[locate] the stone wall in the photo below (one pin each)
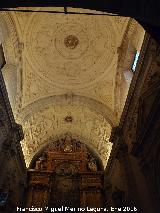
(12, 166)
(133, 169)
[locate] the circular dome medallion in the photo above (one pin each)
(71, 42)
(70, 52)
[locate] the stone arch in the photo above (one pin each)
(72, 99)
(49, 122)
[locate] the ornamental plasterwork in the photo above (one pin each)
(40, 89)
(68, 99)
(21, 19)
(12, 48)
(58, 55)
(36, 88)
(8, 37)
(50, 123)
(100, 93)
(57, 63)
(121, 23)
(59, 67)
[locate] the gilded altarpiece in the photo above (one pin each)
(66, 174)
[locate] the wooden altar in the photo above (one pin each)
(66, 174)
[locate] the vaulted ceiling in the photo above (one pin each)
(61, 75)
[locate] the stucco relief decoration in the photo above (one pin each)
(71, 41)
(87, 126)
(69, 51)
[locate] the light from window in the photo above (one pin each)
(135, 61)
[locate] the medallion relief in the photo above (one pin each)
(71, 42)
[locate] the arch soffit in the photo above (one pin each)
(70, 99)
(45, 122)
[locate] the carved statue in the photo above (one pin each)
(92, 166)
(67, 146)
(41, 162)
